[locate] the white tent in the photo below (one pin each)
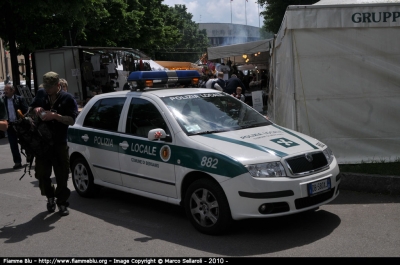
(154, 65)
(251, 66)
(335, 75)
(342, 2)
(256, 51)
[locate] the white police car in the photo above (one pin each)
(199, 148)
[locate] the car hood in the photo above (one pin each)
(260, 144)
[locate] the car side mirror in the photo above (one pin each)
(158, 134)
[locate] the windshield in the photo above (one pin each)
(212, 113)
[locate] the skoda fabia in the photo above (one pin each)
(202, 149)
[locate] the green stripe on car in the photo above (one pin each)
(295, 135)
(195, 159)
(250, 145)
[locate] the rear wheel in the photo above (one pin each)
(82, 178)
(207, 207)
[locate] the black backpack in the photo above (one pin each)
(35, 137)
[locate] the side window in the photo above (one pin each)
(105, 114)
(90, 119)
(143, 116)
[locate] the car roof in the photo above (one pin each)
(164, 92)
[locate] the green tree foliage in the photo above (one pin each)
(158, 27)
(109, 24)
(150, 26)
(30, 25)
(275, 11)
(190, 45)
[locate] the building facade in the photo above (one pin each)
(5, 64)
(221, 34)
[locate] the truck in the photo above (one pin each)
(70, 62)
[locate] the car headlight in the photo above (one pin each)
(329, 155)
(266, 170)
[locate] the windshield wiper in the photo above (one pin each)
(254, 125)
(207, 132)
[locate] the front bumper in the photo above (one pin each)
(280, 196)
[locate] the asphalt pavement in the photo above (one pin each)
(371, 183)
(350, 181)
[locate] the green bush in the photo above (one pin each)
(379, 167)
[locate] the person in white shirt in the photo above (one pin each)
(210, 81)
(112, 68)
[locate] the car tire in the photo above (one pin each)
(82, 178)
(207, 207)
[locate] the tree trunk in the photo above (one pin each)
(35, 79)
(27, 70)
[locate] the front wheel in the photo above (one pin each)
(82, 178)
(207, 207)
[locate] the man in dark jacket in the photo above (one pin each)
(233, 83)
(13, 104)
(60, 110)
(3, 116)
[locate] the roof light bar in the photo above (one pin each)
(161, 79)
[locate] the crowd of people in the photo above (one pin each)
(236, 86)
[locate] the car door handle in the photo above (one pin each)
(85, 137)
(124, 145)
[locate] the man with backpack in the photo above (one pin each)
(58, 110)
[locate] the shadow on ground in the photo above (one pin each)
(41, 223)
(159, 220)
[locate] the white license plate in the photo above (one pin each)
(319, 186)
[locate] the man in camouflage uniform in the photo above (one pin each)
(60, 109)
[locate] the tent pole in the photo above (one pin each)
(231, 12)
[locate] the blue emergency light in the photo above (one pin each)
(159, 79)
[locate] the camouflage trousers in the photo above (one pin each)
(58, 161)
